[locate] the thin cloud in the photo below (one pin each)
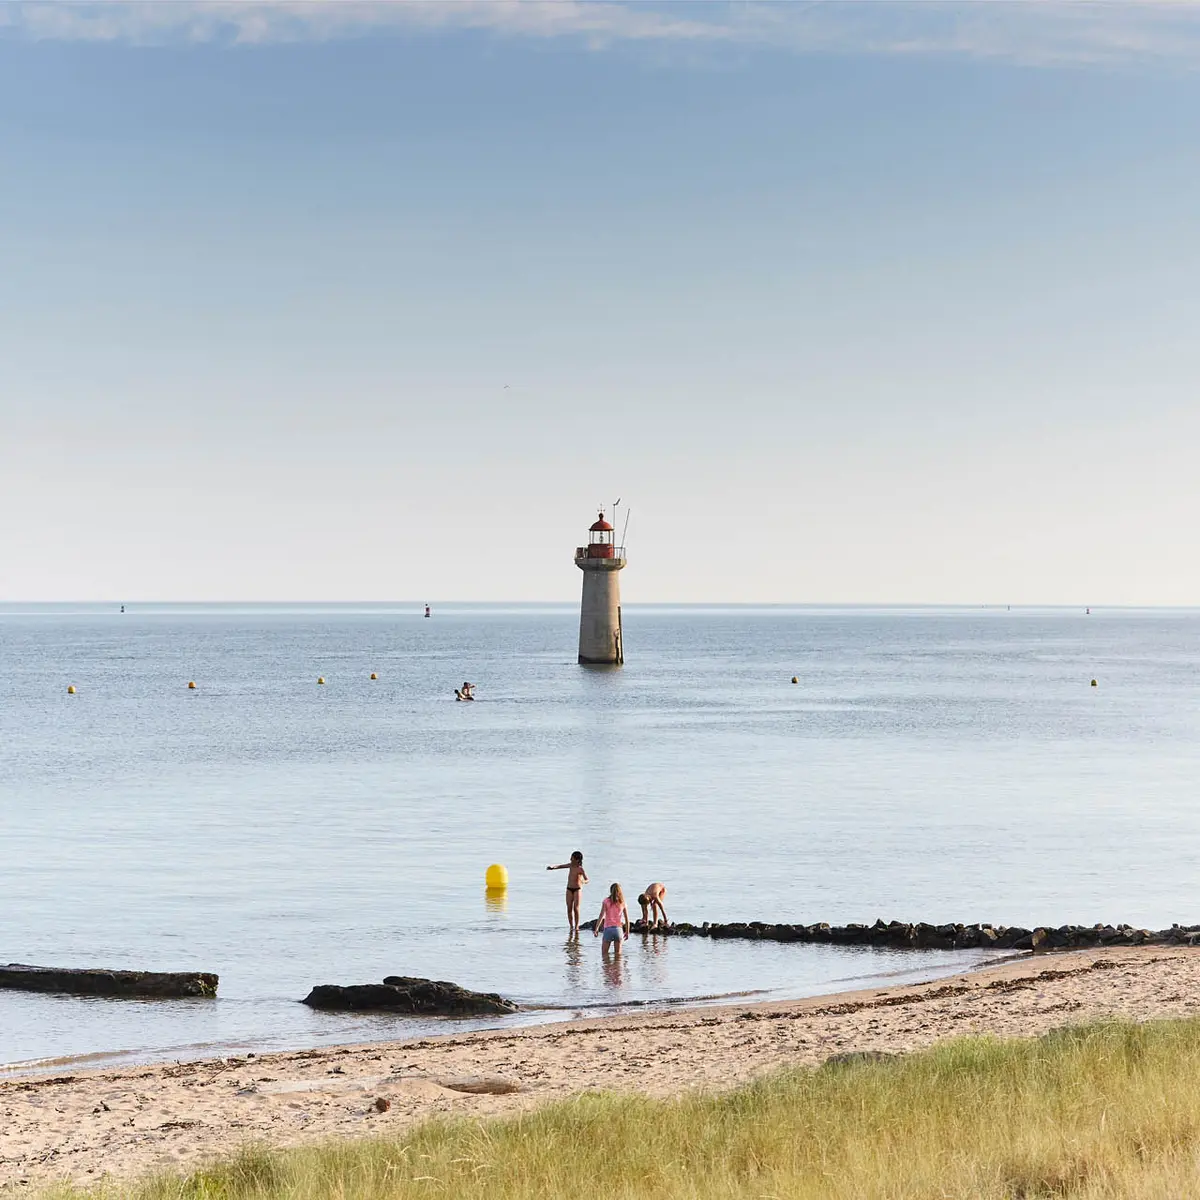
(1033, 32)
(272, 21)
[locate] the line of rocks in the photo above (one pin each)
(900, 935)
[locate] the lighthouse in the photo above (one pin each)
(600, 639)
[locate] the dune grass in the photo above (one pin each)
(1110, 1110)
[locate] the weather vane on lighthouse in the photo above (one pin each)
(600, 636)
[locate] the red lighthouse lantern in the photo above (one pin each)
(600, 539)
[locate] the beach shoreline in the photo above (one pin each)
(415, 1026)
(128, 1121)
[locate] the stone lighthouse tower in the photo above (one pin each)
(600, 639)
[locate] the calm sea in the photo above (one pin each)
(928, 765)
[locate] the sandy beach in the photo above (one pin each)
(125, 1122)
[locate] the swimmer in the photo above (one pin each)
(576, 878)
(651, 901)
(613, 919)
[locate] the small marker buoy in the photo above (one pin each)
(496, 877)
(191, 685)
(1094, 684)
(795, 679)
(70, 689)
(320, 678)
(374, 676)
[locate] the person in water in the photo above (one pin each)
(613, 920)
(653, 908)
(466, 692)
(576, 878)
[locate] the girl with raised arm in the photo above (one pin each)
(576, 878)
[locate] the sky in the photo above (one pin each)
(847, 302)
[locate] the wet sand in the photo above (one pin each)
(129, 1121)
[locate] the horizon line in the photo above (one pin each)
(573, 602)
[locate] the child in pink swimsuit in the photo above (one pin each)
(613, 920)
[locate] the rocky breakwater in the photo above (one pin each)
(408, 994)
(80, 981)
(900, 935)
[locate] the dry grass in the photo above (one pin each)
(1094, 1112)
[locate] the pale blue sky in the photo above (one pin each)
(863, 302)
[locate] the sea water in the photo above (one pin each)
(929, 765)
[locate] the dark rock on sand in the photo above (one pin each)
(164, 985)
(482, 1085)
(408, 994)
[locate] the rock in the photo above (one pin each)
(407, 994)
(482, 1085)
(164, 985)
(382, 1104)
(1010, 937)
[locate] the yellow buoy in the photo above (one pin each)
(70, 689)
(374, 676)
(320, 678)
(795, 679)
(497, 877)
(191, 685)
(1094, 684)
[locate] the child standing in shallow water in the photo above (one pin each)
(576, 878)
(651, 901)
(613, 920)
